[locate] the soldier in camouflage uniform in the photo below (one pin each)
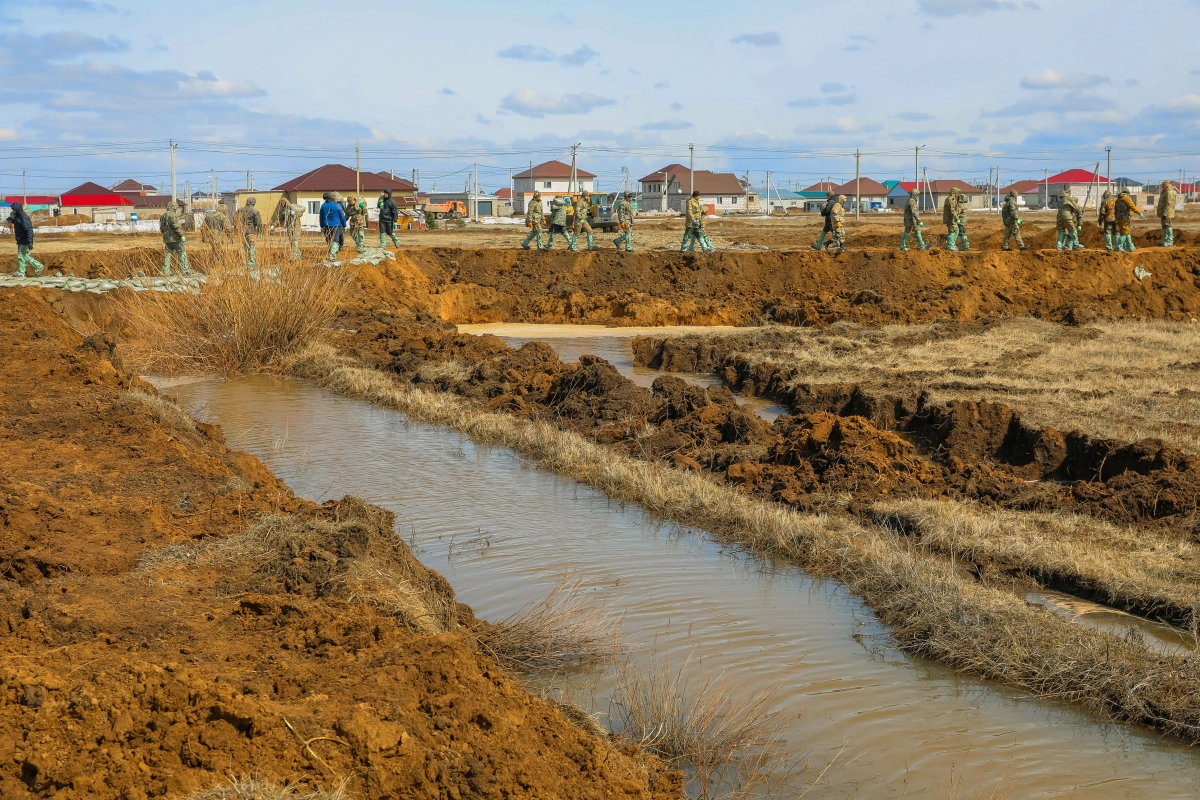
(534, 217)
(912, 221)
(356, 222)
(1010, 215)
(1070, 219)
(1126, 208)
(1166, 212)
(954, 215)
(558, 222)
(625, 217)
(693, 227)
(213, 230)
(826, 228)
(250, 225)
(287, 219)
(1106, 218)
(837, 223)
(580, 223)
(173, 239)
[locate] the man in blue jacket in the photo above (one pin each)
(333, 220)
(22, 227)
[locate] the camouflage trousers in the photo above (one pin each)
(180, 251)
(839, 236)
(1013, 232)
(359, 236)
(535, 232)
(25, 259)
(693, 235)
(584, 227)
(624, 239)
(1066, 225)
(1123, 227)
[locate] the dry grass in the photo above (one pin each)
(728, 739)
(366, 562)
(1127, 380)
(250, 788)
(564, 630)
(161, 409)
(449, 371)
(1148, 570)
(934, 607)
(240, 321)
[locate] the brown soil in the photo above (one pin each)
(128, 680)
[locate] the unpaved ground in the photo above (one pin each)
(157, 642)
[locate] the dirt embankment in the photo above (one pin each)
(172, 615)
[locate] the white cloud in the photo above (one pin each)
(1050, 79)
(672, 124)
(830, 87)
(8, 134)
(526, 52)
(830, 100)
(914, 116)
(532, 103)
(446, 90)
(1053, 104)
(954, 8)
(579, 56)
(1189, 102)
(205, 84)
(765, 39)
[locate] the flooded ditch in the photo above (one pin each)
(503, 534)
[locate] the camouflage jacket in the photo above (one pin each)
(581, 210)
(1126, 208)
(1107, 211)
(837, 214)
(694, 212)
(249, 220)
(949, 210)
(168, 223)
(625, 212)
(356, 218)
(1166, 203)
(912, 213)
(535, 215)
(1068, 208)
(1009, 212)
(215, 220)
(558, 213)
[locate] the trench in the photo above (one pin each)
(503, 534)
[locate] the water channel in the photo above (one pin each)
(504, 533)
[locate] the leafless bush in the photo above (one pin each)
(238, 321)
(255, 789)
(564, 630)
(728, 739)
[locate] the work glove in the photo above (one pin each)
(920, 224)
(622, 226)
(1020, 222)
(182, 239)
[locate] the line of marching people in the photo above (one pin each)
(535, 220)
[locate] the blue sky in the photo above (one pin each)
(793, 86)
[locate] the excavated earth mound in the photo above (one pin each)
(173, 616)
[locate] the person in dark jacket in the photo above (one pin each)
(22, 227)
(388, 214)
(333, 221)
(827, 228)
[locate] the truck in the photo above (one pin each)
(602, 214)
(453, 209)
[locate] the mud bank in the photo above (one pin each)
(173, 616)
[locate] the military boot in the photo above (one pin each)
(1168, 237)
(333, 251)
(904, 242)
(591, 243)
(1075, 243)
(1062, 235)
(965, 244)
(820, 242)
(549, 242)
(950, 242)
(571, 240)
(921, 241)
(532, 235)
(1108, 241)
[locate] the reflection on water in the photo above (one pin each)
(614, 345)
(909, 727)
(1156, 635)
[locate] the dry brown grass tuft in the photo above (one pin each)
(1148, 570)
(728, 740)
(357, 558)
(256, 789)
(1126, 379)
(564, 630)
(239, 321)
(162, 410)
(933, 605)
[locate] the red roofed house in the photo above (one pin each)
(92, 199)
(33, 202)
(552, 179)
(872, 193)
(933, 196)
(667, 189)
(1080, 183)
(307, 190)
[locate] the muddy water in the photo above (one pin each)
(503, 533)
(614, 345)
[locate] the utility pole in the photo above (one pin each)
(692, 169)
(174, 190)
(187, 187)
(512, 193)
(997, 187)
(475, 192)
(24, 190)
(571, 185)
(857, 187)
(1046, 202)
(216, 190)
(357, 171)
(768, 188)
(917, 167)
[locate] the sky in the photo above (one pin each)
(94, 90)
